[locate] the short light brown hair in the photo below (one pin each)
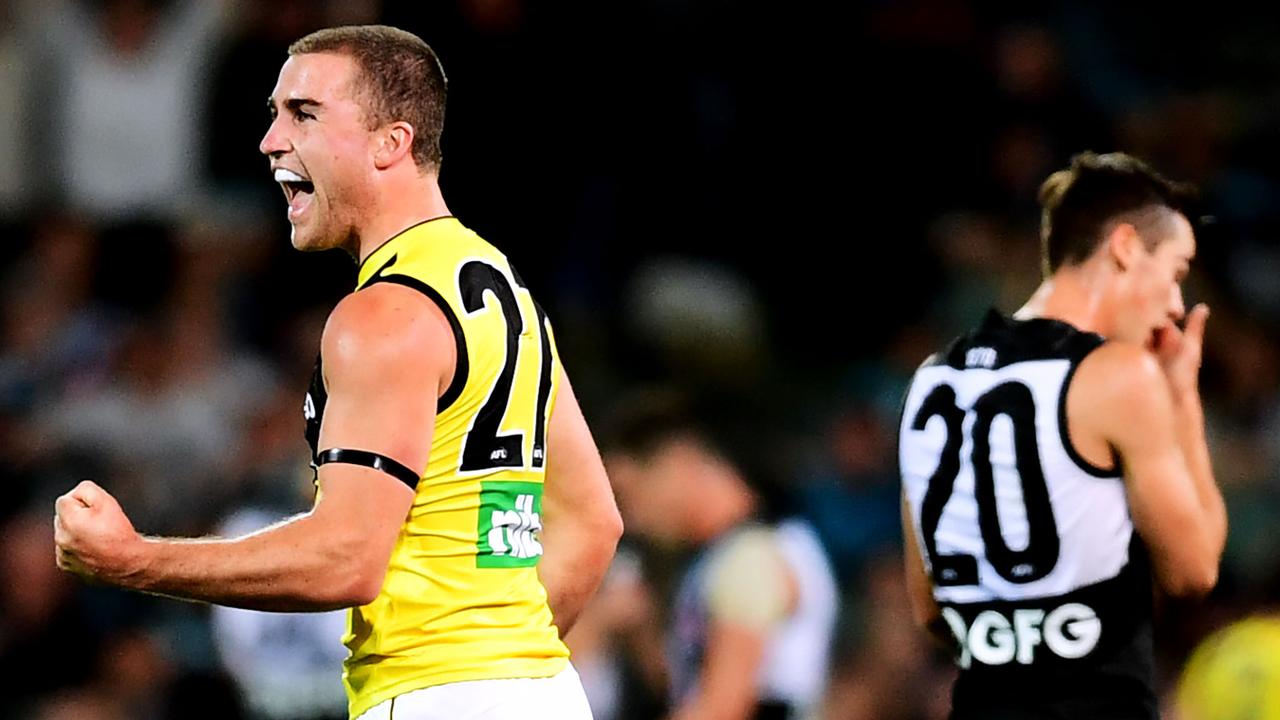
(399, 78)
(1081, 203)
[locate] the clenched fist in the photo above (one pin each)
(94, 538)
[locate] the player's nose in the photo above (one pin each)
(274, 142)
(1177, 307)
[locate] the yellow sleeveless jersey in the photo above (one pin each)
(462, 599)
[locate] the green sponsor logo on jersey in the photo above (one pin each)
(510, 523)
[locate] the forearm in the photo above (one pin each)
(571, 568)
(727, 686)
(293, 566)
(1189, 414)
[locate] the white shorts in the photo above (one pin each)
(559, 697)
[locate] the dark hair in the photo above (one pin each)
(649, 420)
(646, 422)
(1079, 204)
(399, 77)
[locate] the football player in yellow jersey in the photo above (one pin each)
(462, 510)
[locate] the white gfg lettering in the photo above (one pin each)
(1069, 631)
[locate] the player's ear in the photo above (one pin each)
(1123, 246)
(394, 142)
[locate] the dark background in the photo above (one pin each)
(781, 206)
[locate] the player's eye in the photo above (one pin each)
(300, 115)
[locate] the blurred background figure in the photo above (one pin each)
(886, 669)
(20, 182)
(753, 613)
(617, 644)
(42, 616)
(286, 664)
(122, 77)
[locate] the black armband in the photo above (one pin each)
(364, 458)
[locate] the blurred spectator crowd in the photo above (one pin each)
(778, 207)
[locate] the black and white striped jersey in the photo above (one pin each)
(1030, 548)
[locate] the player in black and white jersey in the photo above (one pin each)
(1054, 462)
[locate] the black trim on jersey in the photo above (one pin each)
(319, 395)
(462, 366)
(384, 243)
(1021, 341)
(1029, 340)
(1065, 432)
(516, 276)
(364, 458)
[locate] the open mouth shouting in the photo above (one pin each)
(298, 191)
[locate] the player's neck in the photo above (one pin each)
(1076, 296)
(413, 201)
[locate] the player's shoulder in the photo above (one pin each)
(383, 320)
(748, 579)
(751, 542)
(747, 551)
(1116, 365)
(1120, 378)
(380, 307)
